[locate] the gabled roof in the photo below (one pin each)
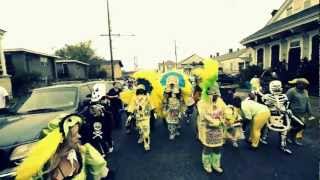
(191, 60)
(232, 55)
(303, 17)
(72, 61)
(17, 50)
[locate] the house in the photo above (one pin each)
(233, 61)
(291, 34)
(5, 80)
(166, 66)
(103, 66)
(20, 61)
(190, 62)
(72, 69)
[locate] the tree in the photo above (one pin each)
(81, 51)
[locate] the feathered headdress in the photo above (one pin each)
(44, 149)
(150, 80)
(209, 76)
(182, 81)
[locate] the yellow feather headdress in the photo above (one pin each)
(44, 149)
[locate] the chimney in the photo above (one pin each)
(230, 50)
(217, 54)
(274, 12)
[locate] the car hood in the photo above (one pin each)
(15, 130)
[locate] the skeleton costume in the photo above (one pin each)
(97, 129)
(140, 109)
(281, 116)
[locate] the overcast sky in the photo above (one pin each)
(203, 27)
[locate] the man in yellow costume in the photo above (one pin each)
(59, 155)
(173, 106)
(211, 125)
(140, 109)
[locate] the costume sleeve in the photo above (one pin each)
(97, 166)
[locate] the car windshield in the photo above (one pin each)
(50, 100)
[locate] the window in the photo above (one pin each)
(43, 61)
(260, 55)
(294, 44)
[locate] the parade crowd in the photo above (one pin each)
(77, 146)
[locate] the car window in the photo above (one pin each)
(55, 98)
(84, 92)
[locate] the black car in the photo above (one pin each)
(21, 130)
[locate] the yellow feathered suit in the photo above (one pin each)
(34, 166)
(211, 116)
(177, 96)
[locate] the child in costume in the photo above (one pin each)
(233, 123)
(140, 109)
(59, 155)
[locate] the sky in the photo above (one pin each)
(203, 27)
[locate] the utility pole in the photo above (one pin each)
(175, 53)
(110, 42)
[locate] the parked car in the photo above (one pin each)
(21, 130)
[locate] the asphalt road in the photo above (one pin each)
(181, 159)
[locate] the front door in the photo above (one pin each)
(314, 77)
(294, 61)
(275, 56)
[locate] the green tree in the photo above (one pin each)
(81, 51)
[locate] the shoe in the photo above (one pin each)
(298, 142)
(171, 137)
(218, 170)
(140, 140)
(263, 141)
(289, 141)
(208, 169)
(235, 145)
(147, 147)
(110, 150)
(286, 150)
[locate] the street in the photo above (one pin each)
(181, 159)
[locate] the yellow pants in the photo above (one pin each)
(257, 124)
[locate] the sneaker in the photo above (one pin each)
(298, 142)
(208, 169)
(218, 170)
(286, 150)
(235, 145)
(289, 141)
(147, 147)
(171, 137)
(140, 140)
(110, 150)
(263, 141)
